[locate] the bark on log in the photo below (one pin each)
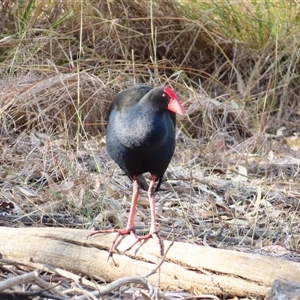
(194, 268)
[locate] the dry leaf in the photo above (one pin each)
(271, 155)
(66, 186)
(242, 174)
(27, 192)
(276, 250)
(279, 132)
(258, 197)
(240, 222)
(293, 142)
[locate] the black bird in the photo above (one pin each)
(140, 138)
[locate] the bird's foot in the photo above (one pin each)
(120, 232)
(154, 235)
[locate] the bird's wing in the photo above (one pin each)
(127, 98)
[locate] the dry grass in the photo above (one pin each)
(232, 183)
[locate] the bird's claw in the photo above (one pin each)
(121, 232)
(154, 235)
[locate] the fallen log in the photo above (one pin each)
(196, 269)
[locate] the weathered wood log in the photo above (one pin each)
(194, 268)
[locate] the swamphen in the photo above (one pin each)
(140, 138)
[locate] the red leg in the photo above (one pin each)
(151, 197)
(130, 224)
(134, 200)
(153, 228)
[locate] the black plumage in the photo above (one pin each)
(140, 138)
(140, 134)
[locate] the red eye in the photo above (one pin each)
(164, 95)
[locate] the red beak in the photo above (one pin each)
(174, 104)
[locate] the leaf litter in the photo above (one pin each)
(228, 198)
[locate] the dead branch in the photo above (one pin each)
(189, 267)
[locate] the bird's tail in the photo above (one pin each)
(144, 185)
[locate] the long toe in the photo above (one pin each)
(160, 241)
(154, 235)
(120, 232)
